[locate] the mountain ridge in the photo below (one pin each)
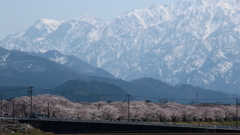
(172, 43)
(74, 63)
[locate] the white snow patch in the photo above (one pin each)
(29, 66)
(20, 33)
(49, 25)
(141, 20)
(4, 57)
(178, 70)
(93, 36)
(224, 67)
(101, 62)
(38, 39)
(61, 60)
(89, 19)
(225, 5)
(168, 58)
(221, 54)
(42, 50)
(189, 69)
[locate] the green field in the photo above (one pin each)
(229, 123)
(32, 132)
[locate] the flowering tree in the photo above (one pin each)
(60, 107)
(108, 112)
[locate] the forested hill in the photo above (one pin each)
(74, 90)
(90, 91)
(179, 93)
(104, 89)
(153, 89)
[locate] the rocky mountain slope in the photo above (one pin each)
(19, 70)
(191, 41)
(22, 69)
(74, 63)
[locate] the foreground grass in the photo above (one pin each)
(157, 134)
(43, 133)
(32, 132)
(226, 123)
(229, 123)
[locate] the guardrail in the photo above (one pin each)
(233, 127)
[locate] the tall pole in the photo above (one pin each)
(128, 106)
(236, 113)
(48, 111)
(13, 110)
(197, 97)
(30, 91)
(1, 105)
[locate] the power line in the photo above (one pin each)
(183, 98)
(24, 88)
(76, 93)
(99, 95)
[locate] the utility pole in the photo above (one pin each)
(1, 105)
(236, 113)
(197, 97)
(48, 111)
(128, 106)
(30, 92)
(13, 110)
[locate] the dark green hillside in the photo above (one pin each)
(181, 93)
(22, 69)
(11, 92)
(92, 91)
(74, 90)
(146, 88)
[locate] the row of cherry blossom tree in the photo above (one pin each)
(60, 107)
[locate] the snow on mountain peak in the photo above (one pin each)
(46, 27)
(149, 16)
(50, 25)
(227, 4)
(171, 43)
(89, 19)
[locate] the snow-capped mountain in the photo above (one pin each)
(22, 69)
(74, 63)
(38, 31)
(191, 41)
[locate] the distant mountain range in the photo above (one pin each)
(192, 41)
(22, 69)
(74, 90)
(19, 70)
(74, 63)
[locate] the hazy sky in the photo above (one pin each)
(16, 14)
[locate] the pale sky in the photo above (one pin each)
(16, 14)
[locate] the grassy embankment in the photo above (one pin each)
(229, 123)
(32, 132)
